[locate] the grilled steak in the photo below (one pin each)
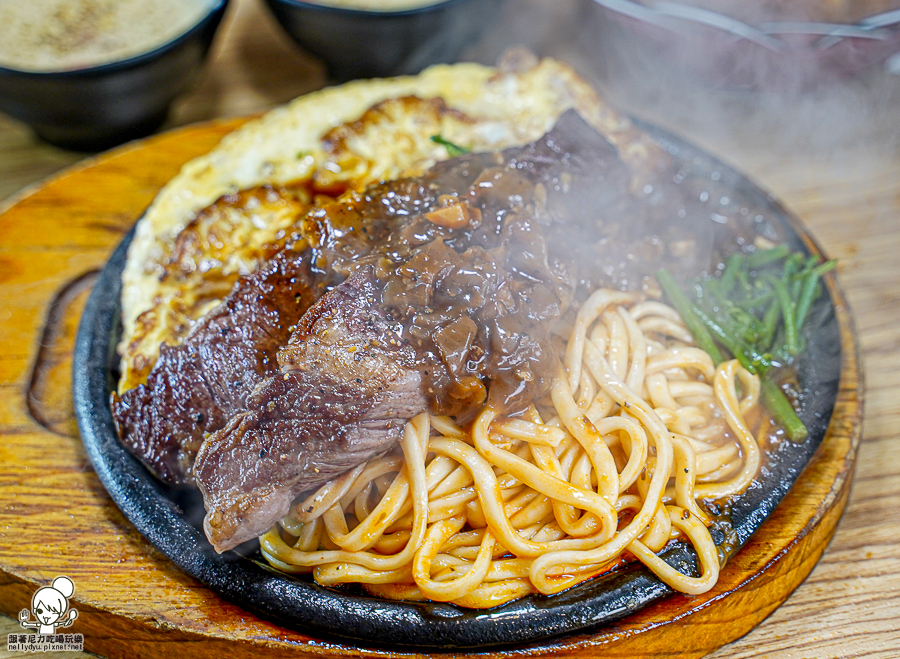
(346, 387)
(452, 288)
(475, 257)
(195, 387)
(451, 283)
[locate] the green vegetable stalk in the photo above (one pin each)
(453, 150)
(780, 408)
(755, 311)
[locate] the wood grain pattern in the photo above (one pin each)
(81, 534)
(849, 197)
(850, 606)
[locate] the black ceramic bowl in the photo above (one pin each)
(360, 44)
(98, 107)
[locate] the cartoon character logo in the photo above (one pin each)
(48, 606)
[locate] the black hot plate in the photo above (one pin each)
(243, 576)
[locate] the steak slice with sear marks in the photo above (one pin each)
(453, 282)
(348, 384)
(195, 387)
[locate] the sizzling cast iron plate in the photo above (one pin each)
(162, 514)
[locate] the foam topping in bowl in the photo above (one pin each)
(63, 35)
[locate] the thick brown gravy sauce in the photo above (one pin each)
(480, 256)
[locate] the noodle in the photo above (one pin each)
(636, 428)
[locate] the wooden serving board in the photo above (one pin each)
(56, 518)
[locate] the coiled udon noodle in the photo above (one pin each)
(637, 427)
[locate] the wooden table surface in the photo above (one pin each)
(831, 155)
